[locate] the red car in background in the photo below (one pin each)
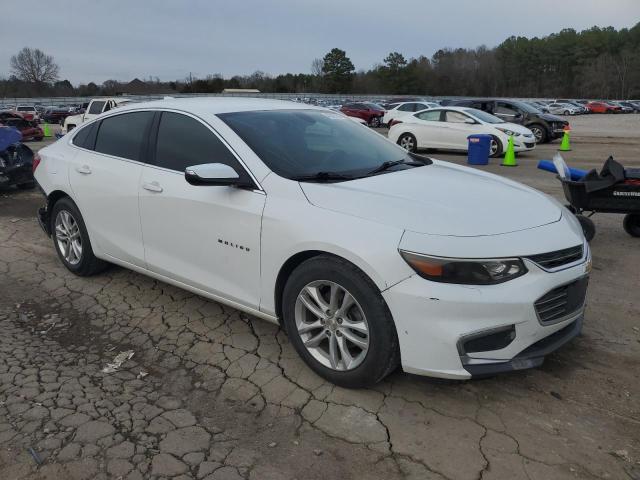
(369, 112)
(602, 107)
(28, 128)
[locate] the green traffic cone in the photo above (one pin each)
(565, 146)
(47, 130)
(510, 155)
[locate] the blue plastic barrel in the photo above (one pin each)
(479, 149)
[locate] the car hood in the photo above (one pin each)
(514, 127)
(439, 199)
(550, 117)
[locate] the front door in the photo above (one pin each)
(204, 236)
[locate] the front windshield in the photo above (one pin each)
(25, 109)
(484, 116)
(301, 143)
(374, 106)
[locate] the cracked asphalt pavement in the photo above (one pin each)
(212, 393)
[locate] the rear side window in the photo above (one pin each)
(430, 116)
(96, 107)
(407, 107)
(184, 142)
(86, 137)
(123, 135)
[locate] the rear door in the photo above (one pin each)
(204, 236)
(429, 129)
(104, 177)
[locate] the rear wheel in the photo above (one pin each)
(539, 133)
(631, 224)
(71, 239)
(408, 142)
(566, 112)
(339, 323)
(588, 227)
(375, 122)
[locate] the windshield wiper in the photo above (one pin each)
(322, 177)
(392, 163)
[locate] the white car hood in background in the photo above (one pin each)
(439, 199)
(514, 127)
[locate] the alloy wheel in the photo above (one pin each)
(493, 146)
(68, 237)
(407, 143)
(537, 132)
(332, 325)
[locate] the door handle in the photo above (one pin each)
(152, 187)
(84, 169)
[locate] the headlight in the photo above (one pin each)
(511, 133)
(465, 271)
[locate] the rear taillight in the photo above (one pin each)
(36, 161)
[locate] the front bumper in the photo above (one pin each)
(433, 318)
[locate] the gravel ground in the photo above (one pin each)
(212, 393)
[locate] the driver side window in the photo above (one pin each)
(430, 115)
(183, 142)
(506, 109)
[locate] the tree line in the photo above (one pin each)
(593, 63)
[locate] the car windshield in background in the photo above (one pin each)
(304, 143)
(25, 109)
(526, 107)
(373, 105)
(484, 116)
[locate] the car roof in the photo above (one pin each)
(215, 105)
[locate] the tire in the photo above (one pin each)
(26, 186)
(375, 122)
(362, 366)
(631, 224)
(497, 144)
(566, 112)
(87, 264)
(408, 142)
(539, 132)
(588, 227)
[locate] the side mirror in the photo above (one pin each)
(212, 174)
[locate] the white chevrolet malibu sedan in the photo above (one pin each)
(369, 256)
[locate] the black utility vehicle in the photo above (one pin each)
(545, 127)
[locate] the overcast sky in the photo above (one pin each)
(121, 39)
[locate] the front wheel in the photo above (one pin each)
(495, 147)
(375, 122)
(71, 239)
(338, 322)
(408, 142)
(539, 133)
(631, 224)
(588, 227)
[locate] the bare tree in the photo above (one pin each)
(34, 66)
(317, 67)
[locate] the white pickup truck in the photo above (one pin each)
(95, 108)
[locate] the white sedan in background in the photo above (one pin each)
(447, 128)
(369, 256)
(397, 111)
(563, 109)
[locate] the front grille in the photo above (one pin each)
(529, 145)
(558, 258)
(562, 301)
